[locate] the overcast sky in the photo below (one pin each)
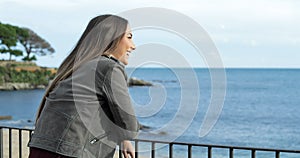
(252, 33)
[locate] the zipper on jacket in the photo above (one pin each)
(93, 141)
(96, 139)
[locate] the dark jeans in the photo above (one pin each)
(40, 153)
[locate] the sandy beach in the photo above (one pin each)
(15, 144)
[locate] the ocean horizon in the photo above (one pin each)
(261, 106)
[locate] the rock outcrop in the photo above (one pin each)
(137, 82)
(5, 117)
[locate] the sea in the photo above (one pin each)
(241, 107)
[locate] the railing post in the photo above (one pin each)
(136, 145)
(253, 153)
(277, 154)
(10, 143)
(29, 134)
(20, 143)
(1, 142)
(189, 151)
(153, 150)
(231, 152)
(171, 150)
(209, 152)
(120, 150)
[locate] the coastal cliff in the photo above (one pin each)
(16, 75)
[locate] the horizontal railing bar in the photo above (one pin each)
(221, 146)
(16, 128)
(277, 151)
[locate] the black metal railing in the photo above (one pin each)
(209, 149)
(13, 143)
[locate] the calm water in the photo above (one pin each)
(261, 108)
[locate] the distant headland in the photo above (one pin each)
(18, 75)
(15, 75)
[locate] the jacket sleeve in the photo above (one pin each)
(115, 87)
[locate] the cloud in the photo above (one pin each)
(240, 24)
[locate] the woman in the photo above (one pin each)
(86, 110)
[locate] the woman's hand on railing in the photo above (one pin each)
(127, 149)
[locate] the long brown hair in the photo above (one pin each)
(102, 34)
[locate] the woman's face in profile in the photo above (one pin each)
(126, 45)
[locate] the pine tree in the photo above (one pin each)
(34, 44)
(8, 40)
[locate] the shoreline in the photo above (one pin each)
(20, 86)
(10, 86)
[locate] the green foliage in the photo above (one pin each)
(8, 36)
(2, 74)
(22, 34)
(27, 58)
(8, 40)
(16, 52)
(32, 43)
(11, 38)
(37, 77)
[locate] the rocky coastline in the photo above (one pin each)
(23, 86)
(20, 86)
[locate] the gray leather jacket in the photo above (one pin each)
(87, 114)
